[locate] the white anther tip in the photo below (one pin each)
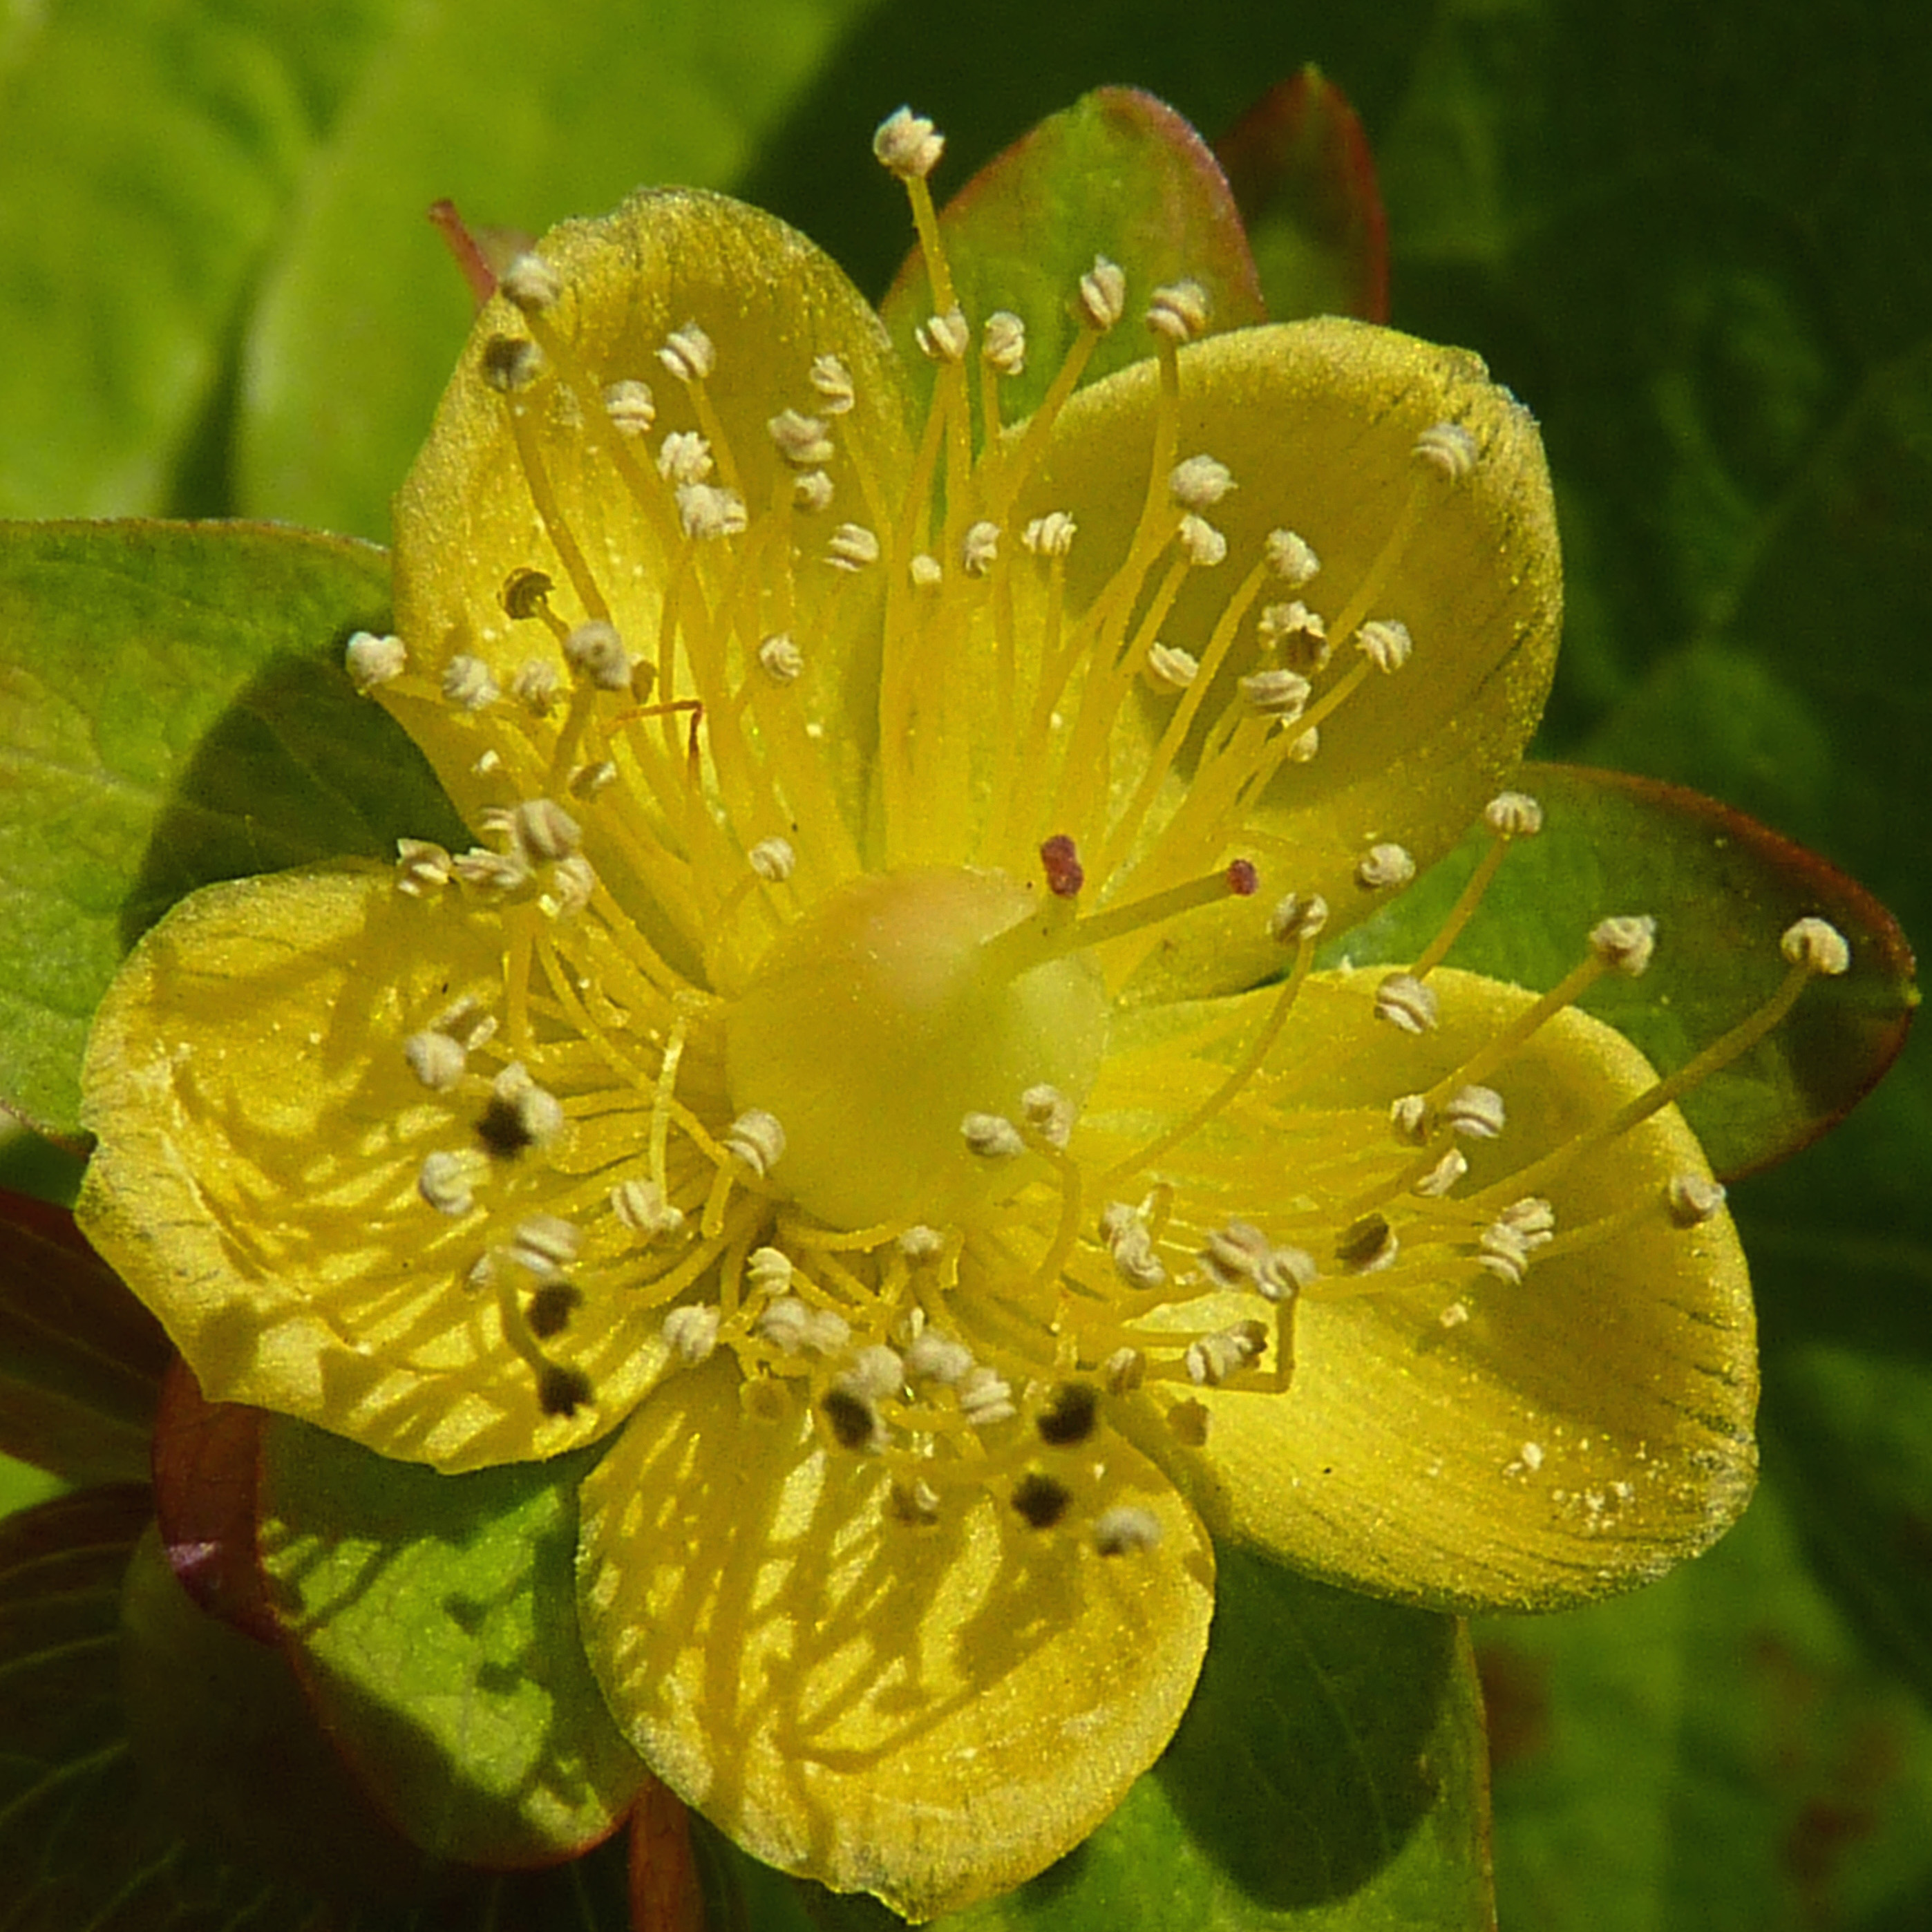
(1384, 867)
(1625, 944)
(1817, 943)
(371, 660)
(1447, 448)
(531, 283)
(1693, 1199)
(1513, 814)
(1103, 294)
(1199, 482)
(991, 1136)
(907, 145)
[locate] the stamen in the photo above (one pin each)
(801, 440)
(1477, 1113)
(1169, 668)
(1384, 867)
(1103, 294)
(531, 283)
(943, 338)
(979, 548)
(372, 661)
(780, 659)
(1449, 449)
(422, 867)
(1003, 343)
(1199, 483)
(1125, 1531)
(438, 1061)
(852, 547)
(1510, 815)
(444, 1180)
(688, 354)
(469, 684)
(1404, 1001)
(1386, 644)
(991, 1136)
(1210, 1361)
(756, 1138)
(691, 1332)
(773, 860)
(1292, 558)
(596, 653)
(641, 1207)
(1180, 312)
(1693, 1199)
(520, 1114)
(1051, 536)
(907, 146)
(630, 406)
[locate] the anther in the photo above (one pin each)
(852, 547)
(422, 867)
(832, 380)
(1443, 1176)
(1413, 1119)
(1299, 916)
(811, 491)
(631, 406)
(545, 831)
(980, 548)
(1385, 642)
(920, 1244)
(706, 511)
(1447, 448)
(1059, 860)
(1003, 343)
(438, 1061)
(1624, 945)
(1201, 543)
(934, 1358)
(685, 457)
(1199, 482)
(687, 354)
(985, 1397)
(520, 1114)
(1513, 814)
(1179, 312)
(468, 683)
(1405, 1001)
(1188, 1423)
(943, 338)
(1213, 1358)
(1235, 1254)
(535, 686)
(1128, 1240)
(1124, 1371)
(926, 571)
(1384, 867)
(641, 1207)
(444, 1181)
(1693, 1199)
(1817, 944)
(1299, 634)
(915, 1504)
(1368, 1245)
(491, 871)
(596, 653)
(773, 859)
(1125, 1531)
(1040, 1500)
(769, 1270)
(562, 1391)
(531, 283)
(1169, 668)
(371, 660)
(1103, 294)
(801, 440)
(587, 780)
(546, 1244)
(1302, 751)
(1477, 1113)
(1275, 694)
(756, 1138)
(573, 883)
(1048, 1113)
(691, 1333)
(526, 594)
(877, 1373)
(906, 145)
(991, 1136)
(1050, 535)
(1070, 1416)
(1292, 558)
(511, 363)
(780, 659)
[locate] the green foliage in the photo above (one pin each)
(1695, 240)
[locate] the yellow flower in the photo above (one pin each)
(872, 1067)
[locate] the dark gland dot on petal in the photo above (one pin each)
(551, 1308)
(848, 1418)
(502, 1129)
(1069, 1417)
(563, 1391)
(1041, 1500)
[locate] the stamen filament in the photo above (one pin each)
(1433, 955)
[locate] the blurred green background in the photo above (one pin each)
(1697, 241)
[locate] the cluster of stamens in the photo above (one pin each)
(1046, 1285)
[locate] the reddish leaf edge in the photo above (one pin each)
(1825, 889)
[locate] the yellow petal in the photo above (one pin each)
(261, 1139)
(1582, 1430)
(931, 1714)
(1317, 422)
(578, 501)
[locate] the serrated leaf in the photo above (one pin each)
(1723, 889)
(1302, 177)
(1329, 1775)
(80, 1359)
(1117, 174)
(1714, 1752)
(433, 1619)
(172, 711)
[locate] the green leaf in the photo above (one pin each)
(1117, 174)
(432, 1619)
(1714, 1752)
(172, 711)
(1723, 890)
(160, 1773)
(523, 115)
(151, 153)
(80, 1359)
(1328, 1777)
(1303, 178)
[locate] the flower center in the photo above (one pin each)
(882, 1021)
